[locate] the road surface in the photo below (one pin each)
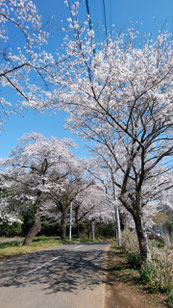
(68, 276)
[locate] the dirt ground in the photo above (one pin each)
(121, 296)
(125, 291)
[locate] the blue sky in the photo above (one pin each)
(152, 14)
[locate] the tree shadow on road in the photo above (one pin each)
(56, 270)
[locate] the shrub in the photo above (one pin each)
(105, 230)
(134, 259)
(162, 260)
(15, 229)
(10, 230)
(170, 299)
(159, 273)
(148, 276)
(129, 242)
(28, 220)
(4, 229)
(158, 244)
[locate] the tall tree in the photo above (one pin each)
(91, 205)
(71, 183)
(104, 170)
(119, 93)
(28, 172)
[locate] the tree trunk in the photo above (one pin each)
(93, 229)
(78, 230)
(89, 230)
(70, 222)
(142, 238)
(136, 212)
(63, 225)
(36, 227)
(77, 223)
(37, 222)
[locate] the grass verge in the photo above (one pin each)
(129, 277)
(15, 247)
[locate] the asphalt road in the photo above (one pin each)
(68, 276)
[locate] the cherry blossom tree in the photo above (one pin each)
(91, 205)
(5, 216)
(72, 182)
(119, 94)
(103, 170)
(24, 61)
(29, 171)
(43, 173)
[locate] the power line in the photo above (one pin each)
(88, 12)
(104, 12)
(111, 17)
(97, 22)
(90, 24)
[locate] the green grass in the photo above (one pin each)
(170, 299)
(10, 244)
(11, 248)
(122, 271)
(15, 247)
(85, 239)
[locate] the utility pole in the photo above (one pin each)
(70, 222)
(118, 229)
(117, 215)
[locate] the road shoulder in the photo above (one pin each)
(123, 291)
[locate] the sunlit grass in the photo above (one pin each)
(15, 247)
(11, 248)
